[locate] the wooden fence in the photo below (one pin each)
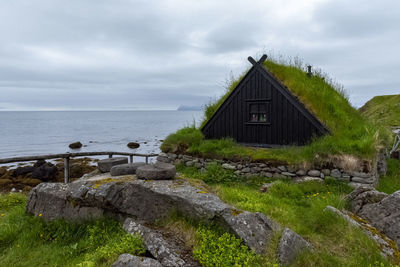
(68, 156)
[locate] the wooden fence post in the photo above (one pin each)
(131, 158)
(66, 170)
(147, 160)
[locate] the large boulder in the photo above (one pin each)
(362, 196)
(23, 171)
(380, 209)
(128, 260)
(75, 145)
(148, 201)
(105, 165)
(133, 145)
(385, 215)
(45, 172)
(157, 171)
(126, 169)
(290, 245)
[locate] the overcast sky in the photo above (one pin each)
(120, 54)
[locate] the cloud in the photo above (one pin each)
(142, 54)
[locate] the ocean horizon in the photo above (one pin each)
(26, 133)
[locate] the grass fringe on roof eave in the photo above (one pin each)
(350, 132)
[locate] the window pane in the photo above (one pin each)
(254, 117)
(262, 108)
(262, 117)
(253, 108)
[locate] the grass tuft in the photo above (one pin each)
(390, 183)
(29, 241)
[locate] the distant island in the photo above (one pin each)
(188, 108)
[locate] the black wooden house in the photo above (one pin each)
(261, 111)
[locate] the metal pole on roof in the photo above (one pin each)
(309, 73)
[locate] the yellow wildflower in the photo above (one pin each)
(40, 215)
(2, 215)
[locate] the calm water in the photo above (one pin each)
(43, 132)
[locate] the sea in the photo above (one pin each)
(26, 133)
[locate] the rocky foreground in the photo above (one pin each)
(142, 202)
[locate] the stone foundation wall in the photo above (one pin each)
(248, 169)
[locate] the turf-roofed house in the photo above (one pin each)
(261, 111)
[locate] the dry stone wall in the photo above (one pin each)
(248, 169)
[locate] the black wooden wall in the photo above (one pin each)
(288, 121)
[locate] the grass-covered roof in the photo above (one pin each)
(351, 133)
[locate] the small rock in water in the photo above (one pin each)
(75, 145)
(133, 145)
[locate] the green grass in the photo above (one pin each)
(212, 245)
(29, 241)
(351, 132)
(384, 110)
(301, 208)
(391, 181)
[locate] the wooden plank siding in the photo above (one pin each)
(288, 121)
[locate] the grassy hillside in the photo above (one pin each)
(351, 133)
(384, 110)
(301, 208)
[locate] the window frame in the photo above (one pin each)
(267, 104)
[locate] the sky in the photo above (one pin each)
(123, 55)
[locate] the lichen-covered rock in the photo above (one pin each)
(128, 260)
(384, 215)
(105, 165)
(157, 171)
(147, 201)
(255, 229)
(363, 180)
(126, 169)
(50, 200)
(314, 173)
(167, 253)
(378, 208)
(228, 166)
(290, 245)
(301, 172)
(362, 196)
(335, 173)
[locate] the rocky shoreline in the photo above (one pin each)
(26, 176)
